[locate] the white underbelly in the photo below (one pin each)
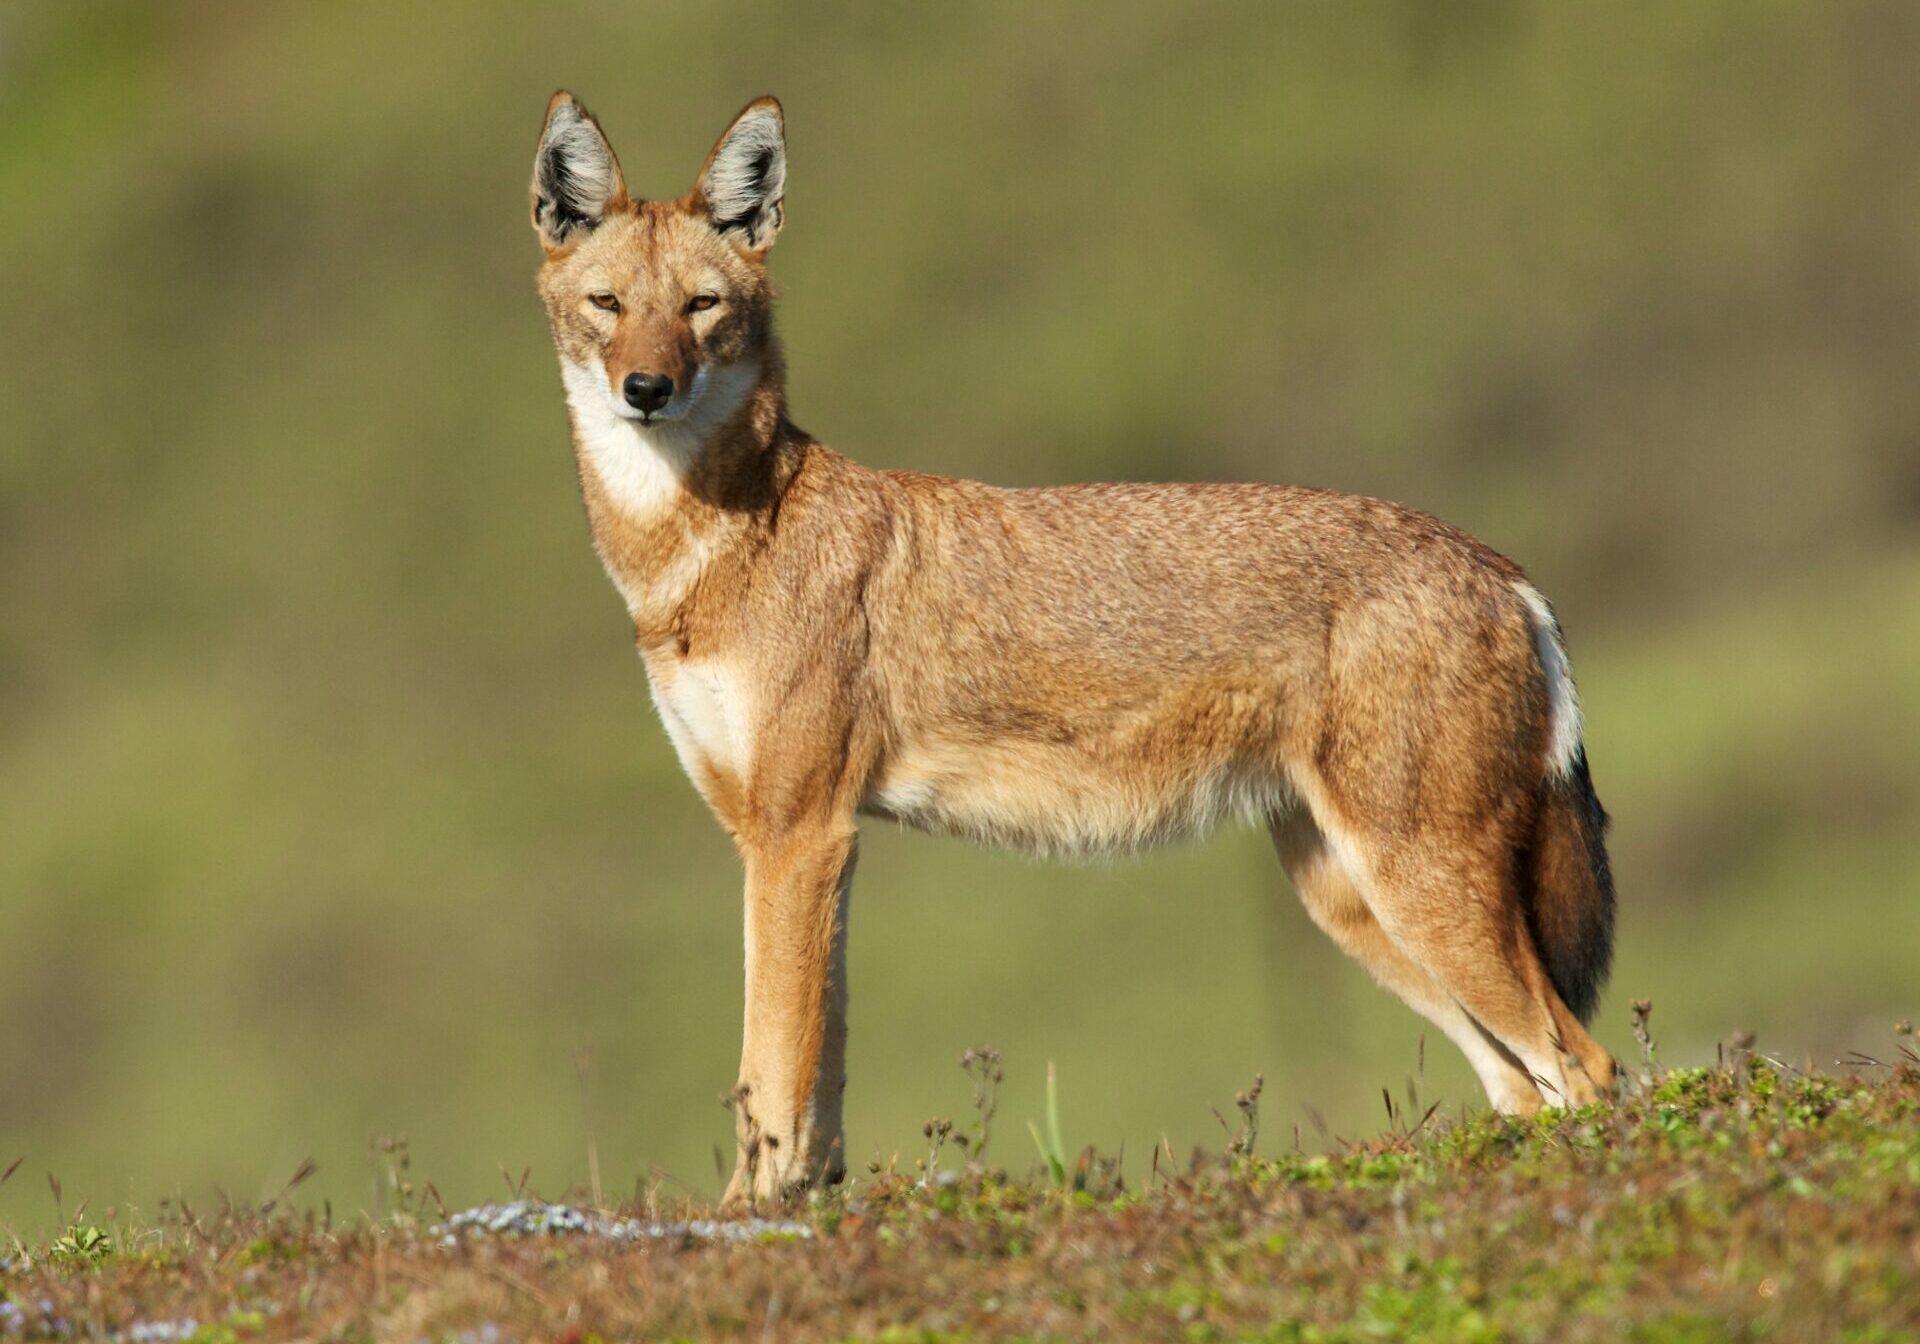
(1049, 799)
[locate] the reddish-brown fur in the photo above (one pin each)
(1083, 669)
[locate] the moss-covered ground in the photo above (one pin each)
(1748, 1200)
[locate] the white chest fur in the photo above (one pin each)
(707, 708)
(642, 467)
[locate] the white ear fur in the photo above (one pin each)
(745, 181)
(576, 178)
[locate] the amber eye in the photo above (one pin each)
(604, 301)
(699, 303)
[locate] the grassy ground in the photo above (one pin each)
(1749, 1200)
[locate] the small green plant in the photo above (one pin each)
(397, 1197)
(936, 1132)
(982, 1065)
(83, 1242)
(1240, 1141)
(1642, 1013)
(1052, 1149)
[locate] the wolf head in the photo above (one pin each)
(666, 304)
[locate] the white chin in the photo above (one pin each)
(666, 417)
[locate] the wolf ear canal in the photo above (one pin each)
(576, 179)
(744, 184)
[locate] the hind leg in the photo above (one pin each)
(1328, 891)
(1453, 908)
(1592, 1058)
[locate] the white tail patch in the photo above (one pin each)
(1563, 738)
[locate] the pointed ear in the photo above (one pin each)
(744, 185)
(576, 179)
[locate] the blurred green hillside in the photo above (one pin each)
(332, 804)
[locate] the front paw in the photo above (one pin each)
(778, 1161)
(768, 1176)
(761, 1185)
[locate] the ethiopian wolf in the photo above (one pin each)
(1076, 671)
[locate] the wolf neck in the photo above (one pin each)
(667, 502)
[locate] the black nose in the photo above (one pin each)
(647, 392)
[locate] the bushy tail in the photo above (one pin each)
(1570, 887)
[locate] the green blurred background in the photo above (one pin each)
(332, 804)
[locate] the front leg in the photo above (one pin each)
(793, 1060)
